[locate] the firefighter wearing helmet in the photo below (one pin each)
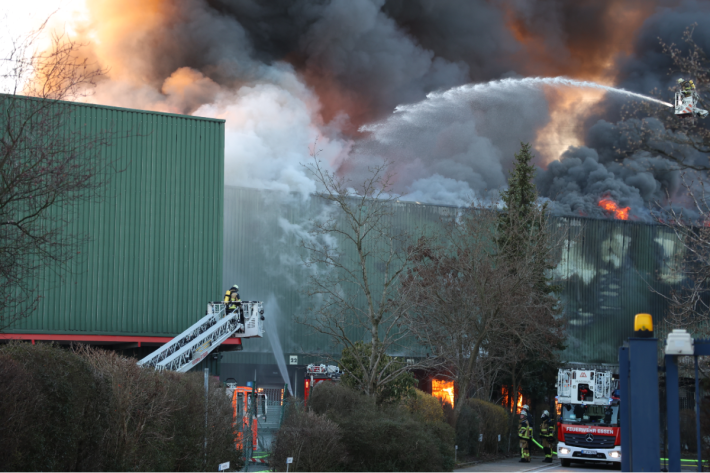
(686, 87)
(524, 434)
(233, 303)
(547, 432)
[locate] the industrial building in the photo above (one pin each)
(154, 255)
(169, 237)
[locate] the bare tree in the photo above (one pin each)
(474, 307)
(49, 164)
(689, 300)
(358, 256)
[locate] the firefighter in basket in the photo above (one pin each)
(687, 87)
(547, 432)
(525, 434)
(233, 302)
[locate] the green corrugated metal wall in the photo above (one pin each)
(262, 255)
(605, 271)
(155, 254)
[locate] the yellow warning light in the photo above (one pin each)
(643, 326)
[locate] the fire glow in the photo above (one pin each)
(443, 389)
(620, 213)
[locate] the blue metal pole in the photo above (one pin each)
(697, 417)
(673, 413)
(645, 408)
(624, 417)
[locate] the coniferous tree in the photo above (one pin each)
(523, 235)
(521, 224)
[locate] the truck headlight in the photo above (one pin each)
(564, 451)
(615, 455)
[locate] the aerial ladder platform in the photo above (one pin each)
(194, 344)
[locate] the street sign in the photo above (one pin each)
(480, 437)
(499, 437)
(293, 359)
(223, 466)
(457, 447)
(289, 459)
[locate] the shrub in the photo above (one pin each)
(311, 439)
(91, 410)
(59, 410)
(493, 420)
(401, 387)
(384, 437)
(425, 406)
(467, 430)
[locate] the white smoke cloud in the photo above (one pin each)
(271, 131)
(465, 137)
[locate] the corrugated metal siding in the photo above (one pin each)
(605, 272)
(262, 255)
(155, 252)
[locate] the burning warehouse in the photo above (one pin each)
(445, 92)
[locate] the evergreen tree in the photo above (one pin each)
(521, 224)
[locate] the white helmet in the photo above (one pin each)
(523, 412)
(545, 413)
(681, 80)
(525, 406)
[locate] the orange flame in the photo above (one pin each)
(621, 213)
(506, 400)
(444, 390)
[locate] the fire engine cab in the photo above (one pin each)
(588, 422)
(316, 374)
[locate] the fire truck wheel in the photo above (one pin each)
(617, 465)
(564, 462)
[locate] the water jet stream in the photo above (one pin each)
(435, 102)
(272, 333)
(534, 82)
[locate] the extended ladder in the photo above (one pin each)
(194, 344)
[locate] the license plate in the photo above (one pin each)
(589, 452)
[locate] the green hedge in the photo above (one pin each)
(383, 437)
(92, 410)
(482, 417)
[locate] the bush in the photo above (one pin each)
(57, 410)
(401, 387)
(493, 420)
(384, 437)
(467, 430)
(94, 410)
(425, 406)
(311, 439)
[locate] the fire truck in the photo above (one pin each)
(316, 374)
(588, 417)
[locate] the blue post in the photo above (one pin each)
(673, 413)
(645, 421)
(697, 417)
(624, 412)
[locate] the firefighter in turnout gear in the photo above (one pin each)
(525, 434)
(547, 432)
(233, 303)
(686, 86)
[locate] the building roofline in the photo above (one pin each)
(121, 109)
(454, 207)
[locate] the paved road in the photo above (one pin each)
(536, 465)
(513, 464)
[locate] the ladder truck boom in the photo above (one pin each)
(194, 344)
